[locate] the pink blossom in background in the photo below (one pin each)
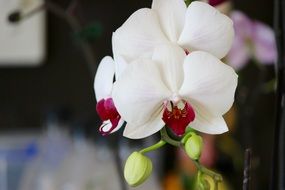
(253, 40)
(209, 153)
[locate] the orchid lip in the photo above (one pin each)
(178, 115)
(106, 124)
(109, 125)
(109, 114)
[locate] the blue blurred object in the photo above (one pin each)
(20, 154)
(15, 151)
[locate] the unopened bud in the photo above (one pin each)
(137, 169)
(193, 146)
(205, 181)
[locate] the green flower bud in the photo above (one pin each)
(193, 146)
(137, 169)
(206, 182)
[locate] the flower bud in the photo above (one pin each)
(205, 181)
(137, 169)
(193, 146)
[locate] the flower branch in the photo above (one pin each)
(168, 139)
(153, 147)
(217, 177)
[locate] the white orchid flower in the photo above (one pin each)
(103, 84)
(198, 27)
(174, 89)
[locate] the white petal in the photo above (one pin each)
(171, 16)
(139, 92)
(170, 59)
(206, 122)
(208, 82)
(120, 61)
(103, 82)
(120, 66)
(207, 29)
(145, 130)
(138, 35)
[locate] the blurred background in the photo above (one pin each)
(49, 137)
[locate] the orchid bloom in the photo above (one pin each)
(253, 39)
(198, 27)
(103, 85)
(174, 89)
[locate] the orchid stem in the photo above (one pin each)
(217, 177)
(165, 137)
(153, 147)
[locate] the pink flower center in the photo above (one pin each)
(178, 116)
(107, 111)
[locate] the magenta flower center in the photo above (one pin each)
(107, 111)
(178, 116)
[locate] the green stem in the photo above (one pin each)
(153, 147)
(166, 138)
(217, 177)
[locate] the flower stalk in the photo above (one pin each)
(216, 177)
(168, 139)
(153, 147)
(203, 172)
(165, 138)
